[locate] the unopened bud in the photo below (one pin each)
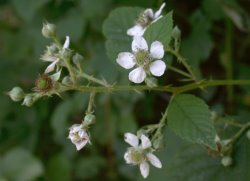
(226, 161)
(248, 134)
(89, 119)
(158, 142)
(176, 33)
(67, 80)
(151, 81)
(77, 59)
(49, 30)
(66, 54)
(16, 94)
(28, 100)
(52, 49)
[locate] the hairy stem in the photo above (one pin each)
(179, 89)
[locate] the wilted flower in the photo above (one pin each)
(51, 56)
(140, 153)
(144, 20)
(147, 61)
(79, 136)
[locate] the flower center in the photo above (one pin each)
(137, 156)
(43, 83)
(142, 58)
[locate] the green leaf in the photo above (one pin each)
(115, 30)
(161, 30)
(190, 118)
(196, 165)
(19, 164)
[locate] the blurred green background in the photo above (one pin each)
(33, 144)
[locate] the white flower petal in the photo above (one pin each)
(145, 142)
(157, 50)
(126, 60)
(66, 43)
(158, 13)
(156, 19)
(131, 139)
(149, 12)
(136, 30)
(157, 68)
(144, 168)
(81, 144)
(154, 160)
(51, 67)
(139, 43)
(127, 158)
(137, 75)
(75, 128)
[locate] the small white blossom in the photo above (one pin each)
(79, 136)
(140, 153)
(146, 18)
(148, 61)
(50, 57)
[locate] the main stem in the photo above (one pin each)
(180, 89)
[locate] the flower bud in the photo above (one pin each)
(52, 49)
(77, 59)
(226, 161)
(28, 100)
(176, 33)
(16, 94)
(67, 80)
(157, 143)
(66, 54)
(89, 119)
(49, 30)
(151, 81)
(248, 134)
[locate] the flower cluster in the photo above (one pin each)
(140, 153)
(147, 61)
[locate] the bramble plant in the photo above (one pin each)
(143, 42)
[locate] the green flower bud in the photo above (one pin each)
(176, 33)
(67, 80)
(66, 54)
(248, 134)
(77, 59)
(52, 49)
(28, 100)
(158, 142)
(151, 81)
(49, 30)
(89, 119)
(16, 94)
(226, 161)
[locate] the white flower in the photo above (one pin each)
(140, 153)
(146, 18)
(79, 136)
(50, 57)
(147, 61)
